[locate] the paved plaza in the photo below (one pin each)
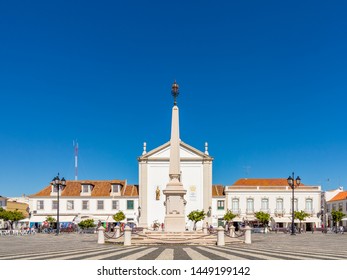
(271, 246)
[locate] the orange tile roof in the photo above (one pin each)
(218, 190)
(339, 196)
(100, 188)
(262, 182)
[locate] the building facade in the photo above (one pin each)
(248, 196)
(87, 199)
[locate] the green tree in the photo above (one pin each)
(119, 216)
(196, 216)
(337, 217)
(50, 220)
(263, 218)
(89, 223)
(229, 216)
(301, 216)
(11, 216)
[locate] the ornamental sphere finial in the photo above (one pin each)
(175, 91)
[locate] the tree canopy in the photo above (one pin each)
(196, 216)
(11, 216)
(229, 215)
(119, 216)
(337, 215)
(263, 217)
(89, 223)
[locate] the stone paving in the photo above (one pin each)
(270, 246)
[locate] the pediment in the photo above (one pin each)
(186, 152)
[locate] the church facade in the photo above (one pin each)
(196, 177)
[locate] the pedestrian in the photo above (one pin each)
(314, 228)
(162, 226)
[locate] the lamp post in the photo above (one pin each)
(57, 183)
(292, 184)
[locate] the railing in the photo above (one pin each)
(280, 212)
(16, 232)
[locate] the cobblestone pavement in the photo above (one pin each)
(271, 246)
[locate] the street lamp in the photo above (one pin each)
(57, 183)
(292, 184)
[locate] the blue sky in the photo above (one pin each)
(263, 82)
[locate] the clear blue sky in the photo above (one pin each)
(263, 82)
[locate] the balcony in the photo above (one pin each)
(249, 211)
(279, 212)
(236, 211)
(309, 211)
(267, 210)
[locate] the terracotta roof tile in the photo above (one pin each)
(262, 182)
(218, 190)
(339, 196)
(100, 188)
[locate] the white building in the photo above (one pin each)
(87, 199)
(337, 203)
(273, 196)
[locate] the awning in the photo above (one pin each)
(100, 218)
(281, 219)
(309, 220)
(26, 220)
(37, 219)
(40, 219)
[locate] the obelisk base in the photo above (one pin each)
(174, 223)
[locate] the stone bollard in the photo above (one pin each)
(220, 236)
(204, 229)
(127, 236)
(248, 239)
(117, 230)
(232, 231)
(101, 237)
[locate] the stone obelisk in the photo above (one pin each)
(174, 192)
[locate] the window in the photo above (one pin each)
(220, 204)
(2, 203)
(264, 204)
(85, 188)
(250, 205)
(54, 205)
(334, 207)
(340, 206)
(296, 204)
(308, 204)
(100, 205)
(70, 205)
(115, 188)
(328, 208)
(115, 204)
(235, 205)
(55, 188)
(130, 204)
(85, 204)
(40, 205)
(279, 204)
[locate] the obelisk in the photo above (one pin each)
(174, 192)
